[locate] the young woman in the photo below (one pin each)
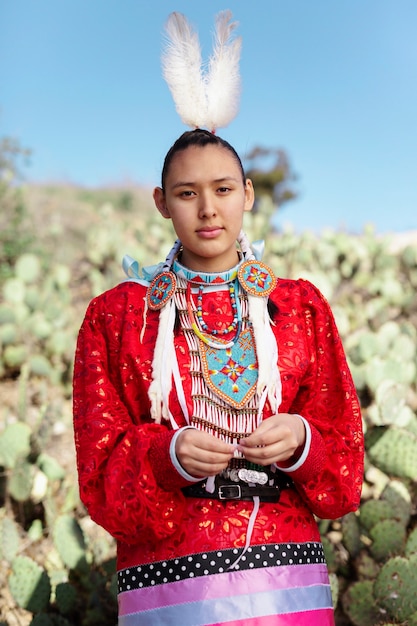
(215, 417)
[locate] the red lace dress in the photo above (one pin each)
(175, 553)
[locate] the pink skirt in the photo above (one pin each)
(269, 585)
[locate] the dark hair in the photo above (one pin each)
(200, 138)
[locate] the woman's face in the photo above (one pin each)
(205, 197)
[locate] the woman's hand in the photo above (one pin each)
(201, 454)
(278, 439)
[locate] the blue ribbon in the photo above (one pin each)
(136, 274)
(258, 248)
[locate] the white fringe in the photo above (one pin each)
(160, 386)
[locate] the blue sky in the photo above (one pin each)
(332, 82)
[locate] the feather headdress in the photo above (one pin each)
(204, 99)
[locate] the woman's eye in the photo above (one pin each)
(224, 189)
(187, 193)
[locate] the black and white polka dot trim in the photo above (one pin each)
(218, 561)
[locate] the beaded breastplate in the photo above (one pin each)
(223, 360)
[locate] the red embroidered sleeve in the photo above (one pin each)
(118, 448)
(331, 477)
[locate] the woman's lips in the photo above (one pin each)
(209, 232)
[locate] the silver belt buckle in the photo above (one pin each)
(230, 492)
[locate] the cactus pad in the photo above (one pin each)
(358, 603)
(388, 538)
(395, 587)
(29, 584)
(69, 541)
(395, 453)
(14, 443)
(9, 539)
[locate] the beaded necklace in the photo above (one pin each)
(200, 327)
(211, 337)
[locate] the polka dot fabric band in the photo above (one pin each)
(219, 561)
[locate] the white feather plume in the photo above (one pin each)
(223, 79)
(203, 100)
(181, 65)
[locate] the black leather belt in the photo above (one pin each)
(229, 490)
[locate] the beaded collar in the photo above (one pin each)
(205, 278)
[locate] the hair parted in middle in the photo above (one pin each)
(199, 138)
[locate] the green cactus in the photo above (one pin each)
(33, 298)
(21, 480)
(8, 334)
(351, 534)
(359, 604)
(405, 346)
(9, 538)
(35, 531)
(50, 467)
(7, 314)
(412, 620)
(14, 443)
(29, 584)
(388, 538)
(409, 256)
(39, 327)
(395, 587)
(379, 369)
(15, 356)
(366, 567)
(399, 498)
(369, 345)
(39, 365)
(28, 268)
(390, 397)
(395, 452)
(14, 291)
(411, 545)
(374, 511)
(60, 343)
(65, 597)
(70, 542)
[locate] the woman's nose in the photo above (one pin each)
(207, 207)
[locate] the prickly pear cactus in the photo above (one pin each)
(65, 598)
(9, 538)
(351, 532)
(366, 567)
(69, 541)
(359, 604)
(374, 511)
(388, 538)
(14, 443)
(29, 584)
(395, 452)
(395, 588)
(21, 480)
(411, 546)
